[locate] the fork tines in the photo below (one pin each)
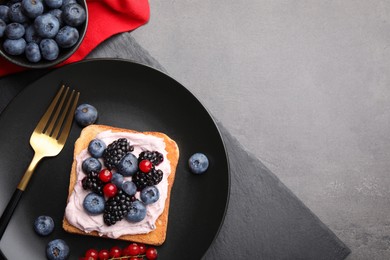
(62, 107)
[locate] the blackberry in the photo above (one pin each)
(141, 179)
(117, 207)
(154, 157)
(115, 151)
(93, 183)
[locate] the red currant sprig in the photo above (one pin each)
(131, 252)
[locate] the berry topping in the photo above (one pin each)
(137, 211)
(96, 148)
(44, 225)
(91, 165)
(117, 179)
(129, 187)
(154, 157)
(145, 166)
(151, 178)
(116, 208)
(128, 165)
(93, 183)
(198, 163)
(150, 195)
(115, 151)
(93, 204)
(110, 190)
(105, 175)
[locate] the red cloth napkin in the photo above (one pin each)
(106, 18)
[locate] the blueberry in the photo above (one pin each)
(128, 165)
(198, 163)
(74, 14)
(4, 13)
(43, 225)
(47, 25)
(53, 3)
(91, 165)
(58, 14)
(16, 14)
(14, 31)
(117, 179)
(14, 47)
(57, 250)
(129, 187)
(96, 148)
(49, 49)
(67, 36)
(150, 194)
(85, 114)
(68, 2)
(137, 211)
(3, 25)
(32, 8)
(32, 52)
(94, 204)
(31, 35)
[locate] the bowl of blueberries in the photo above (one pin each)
(41, 33)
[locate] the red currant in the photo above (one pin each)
(110, 190)
(104, 254)
(133, 249)
(105, 175)
(115, 251)
(151, 253)
(142, 249)
(145, 166)
(134, 258)
(91, 254)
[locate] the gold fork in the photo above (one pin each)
(47, 140)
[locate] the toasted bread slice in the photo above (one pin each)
(158, 235)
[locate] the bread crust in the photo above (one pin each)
(155, 237)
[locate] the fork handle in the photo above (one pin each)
(9, 210)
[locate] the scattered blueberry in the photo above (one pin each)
(14, 31)
(117, 179)
(53, 3)
(137, 211)
(67, 36)
(47, 25)
(4, 13)
(91, 165)
(150, 194)
(32, 8)
(3, 25)
(14, 47)
(16, 14)
(57, 250)
(129, 187)
(85, 114)
(96, 148)
(73, 14)
(49, 49)
(32, 52)
(31, 35)
(43, 225)
(94, 204)
(128, 165)
(198, 163)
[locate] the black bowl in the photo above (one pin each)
(64, 54)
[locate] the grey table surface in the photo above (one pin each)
(264, 220)
(303, 85)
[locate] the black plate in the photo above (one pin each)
(127, 95)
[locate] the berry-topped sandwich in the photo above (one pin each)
(120, 184)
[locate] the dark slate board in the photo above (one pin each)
(264, 220)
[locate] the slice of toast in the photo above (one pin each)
(158, 235)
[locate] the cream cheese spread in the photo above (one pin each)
(78, 217)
